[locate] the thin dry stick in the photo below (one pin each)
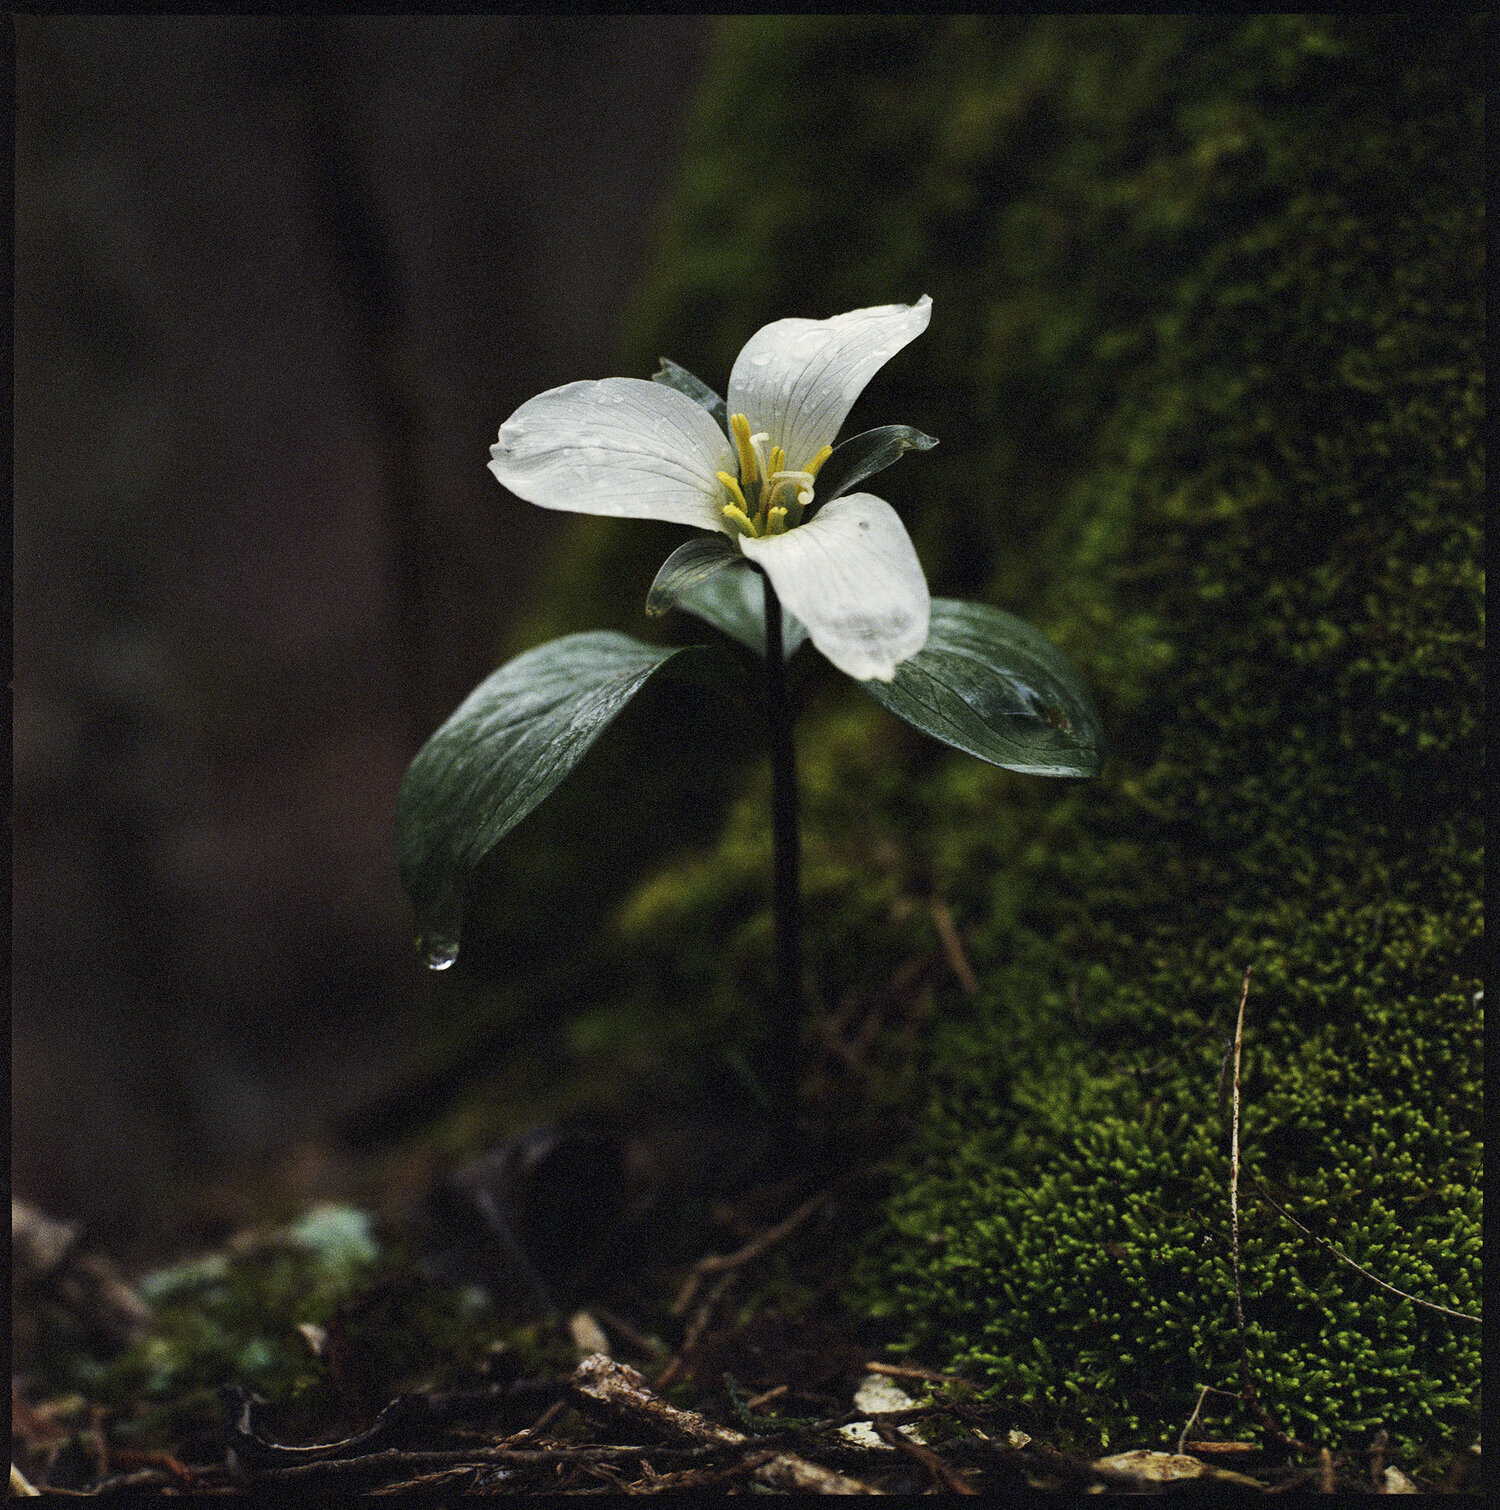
(1378, 1444)
(529, 1433)
(953, 947)
(1325, 1471)
(647, 1347)
(1431, 1305)
(1208, 1389)
(941, 1473)
(1234, 1182)
(1248, 1392)
(757, 1401)
(526, 1457)
(717, 1263)
(910, 1371)
(1182, 1440)
(695, 1329)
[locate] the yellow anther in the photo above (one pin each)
(734, 489)
(778, 461)
(741, 428)
(818, 460)
(740, 520)
(776, 521)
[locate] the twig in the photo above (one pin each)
(526, 1457)
(1202, 1396)
(911, 1371)
(705, 1478)
(1322, 1242)
(1248, 1392)
(695, 1329)
(1378, 1445)
(941, 1473)
(429, 1481)
(953, 946)
(530, 1433)
(647, 1347)
(1208, 1389)
(757, 1401)
(718, 1263)
(602, 1381)
(128, 1458)
(1325, 1471)
(1234, 1182)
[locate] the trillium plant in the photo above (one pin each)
(789, 552)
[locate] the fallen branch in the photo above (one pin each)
(601, 1381)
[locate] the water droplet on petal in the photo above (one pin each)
(760, 359)
(438, 953)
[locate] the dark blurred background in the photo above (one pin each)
(277, 282)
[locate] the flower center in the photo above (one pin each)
(767, 499)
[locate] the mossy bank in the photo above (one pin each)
(1205, 365)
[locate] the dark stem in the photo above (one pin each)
(786, 888)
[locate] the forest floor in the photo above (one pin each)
(719, 1385)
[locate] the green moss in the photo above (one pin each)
(1205, 365)
(233, 1317)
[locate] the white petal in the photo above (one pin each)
(621, 446)
(852, 576)
(798, 379)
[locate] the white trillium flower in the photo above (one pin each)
(642, 450)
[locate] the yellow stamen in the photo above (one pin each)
(740, 520)
(734, 489)
(778, 461)
(741, 428)
(818, 460)
(776, 521)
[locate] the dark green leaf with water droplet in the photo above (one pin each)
(506, 748)
(864, 455)
(990, 684)
(695, 388)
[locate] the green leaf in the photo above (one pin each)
(696, 389)
(734, 602)
(989, 683)
(505, 749)
(864, 455)
(686, 567)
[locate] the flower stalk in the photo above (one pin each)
(786, 880)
